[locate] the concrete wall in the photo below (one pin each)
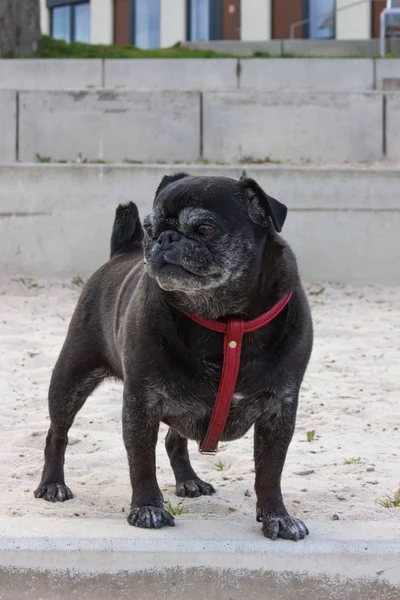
(393, 128)
(8, 126)
(109, 125)
(332, 74)
(173, 22)
(50, 74)
(161, 74)
(200, 74)
(292, 126)
(255, 20)
(101, 22)
(44, 18)
(48, 212)
(353, 21)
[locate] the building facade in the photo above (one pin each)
(162, 23)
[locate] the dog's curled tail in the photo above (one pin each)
(127, 233)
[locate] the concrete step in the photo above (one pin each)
(343, 222)
(221, 559)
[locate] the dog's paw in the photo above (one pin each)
(286, 527)
(150, 517)
(193, 488)
(54, 492)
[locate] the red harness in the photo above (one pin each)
(233, 332)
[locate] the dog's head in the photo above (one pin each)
(208, 233)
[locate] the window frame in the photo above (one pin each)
(51, 4)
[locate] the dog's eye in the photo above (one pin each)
(205, 230)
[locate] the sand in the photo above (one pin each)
(350, 398)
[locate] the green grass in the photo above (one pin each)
(174, 510)
(310, 436)
(220, 466)
(389, 502)
(352, 461)
(78, 281)
(43, 159)
(50, 48)
(252, 160)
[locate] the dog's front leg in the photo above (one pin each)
(140, 431)
(272, 436)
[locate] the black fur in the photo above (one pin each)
(127, 233)
(211, 248)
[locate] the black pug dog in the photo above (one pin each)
(211, 250)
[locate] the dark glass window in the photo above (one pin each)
(70, 21)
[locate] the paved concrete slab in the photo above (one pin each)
(393, 125)
(328, 74)
(50, 74)
(111, 125)
(8, 126)
(221, 559)
(171, 74)
(292, 125)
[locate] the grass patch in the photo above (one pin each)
(310, 436)
(51, 48)
(252, 160)
(318, 292)
(353, 461)
(175, 511)
(78, 281)
(43, 159)
(220, 466)
(389, 502)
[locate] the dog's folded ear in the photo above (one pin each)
(167, 179)
(261, 206)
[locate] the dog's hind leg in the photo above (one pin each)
(77, 373)
(187, 482)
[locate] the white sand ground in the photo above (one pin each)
(350, 397)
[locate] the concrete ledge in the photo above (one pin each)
(334, 213)
(209, 558)
(50, 73)
(171, 74)
(329, 74)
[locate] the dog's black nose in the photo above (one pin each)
(166, 238)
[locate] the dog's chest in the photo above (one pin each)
(188, 408)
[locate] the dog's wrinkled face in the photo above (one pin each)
(205, 233)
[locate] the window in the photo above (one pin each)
(204, 20)
(146, 24)
(322, 19)
(70, 21)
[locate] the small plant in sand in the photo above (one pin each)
(78, 281)
(390, 502)
(174, 510)
(352, 461)
(310, 435)
(317, 292)
(220, 466)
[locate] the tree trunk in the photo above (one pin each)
(19, 27)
